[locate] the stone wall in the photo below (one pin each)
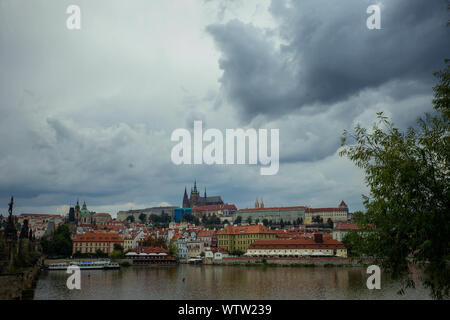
(18, 286)
(296, 261)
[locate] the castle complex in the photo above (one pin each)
(195, 200)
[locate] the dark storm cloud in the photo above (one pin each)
(328, 54)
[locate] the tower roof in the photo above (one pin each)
(195, 186)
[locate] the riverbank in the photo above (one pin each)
(20, 285)
(305, 262)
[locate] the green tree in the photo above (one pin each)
(173, 249)
(329, 223)
(238, 220)
(249, 220)
(265, 222)
(130, 219)
(188, 217)
(143, 218)
(407, 212)
(116, 254)
(61, 244)
(118, 247)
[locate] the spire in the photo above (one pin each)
(11, 204)
(262, 203)
(205, 193)
(185, 199)
(256, 203)
(195, 187)
(84, 205)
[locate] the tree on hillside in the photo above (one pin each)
(143, 217)
(60, 244)
(407, 212)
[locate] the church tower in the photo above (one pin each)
(194, 196)
(186, 203)
(262, 203)
(77, 212)
(256, 204)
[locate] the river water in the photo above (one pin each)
(221, 283)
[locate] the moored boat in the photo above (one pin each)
(83, 265)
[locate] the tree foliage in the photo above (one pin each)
(60, 244)
(143, 218)
(407, 212)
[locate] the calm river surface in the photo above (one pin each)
(221, 282)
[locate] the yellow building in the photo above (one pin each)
(239, 238)
(339, 214)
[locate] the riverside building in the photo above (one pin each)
(316, 247)
(239, 238)
(90, 242)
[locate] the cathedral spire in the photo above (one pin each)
(185, 199)
(195, 186)
(205, 193)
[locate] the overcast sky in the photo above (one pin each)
(88, 114)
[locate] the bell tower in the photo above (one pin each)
(194, 196)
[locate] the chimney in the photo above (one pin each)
(318, 238)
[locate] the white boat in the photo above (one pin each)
(58, 266)
(84, 265)
(196, 260)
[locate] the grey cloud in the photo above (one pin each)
(329, 54)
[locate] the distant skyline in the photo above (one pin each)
(87, 114)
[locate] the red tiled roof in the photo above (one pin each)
(216, 207)
(102, 215)
(312, 210)
(98, 237)
(346, 226)
(271, 209)
(205, 233)
(38, 215)
(151, 250)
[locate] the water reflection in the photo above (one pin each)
(221, 282)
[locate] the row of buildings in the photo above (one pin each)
(193, 241)
(241, 231)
